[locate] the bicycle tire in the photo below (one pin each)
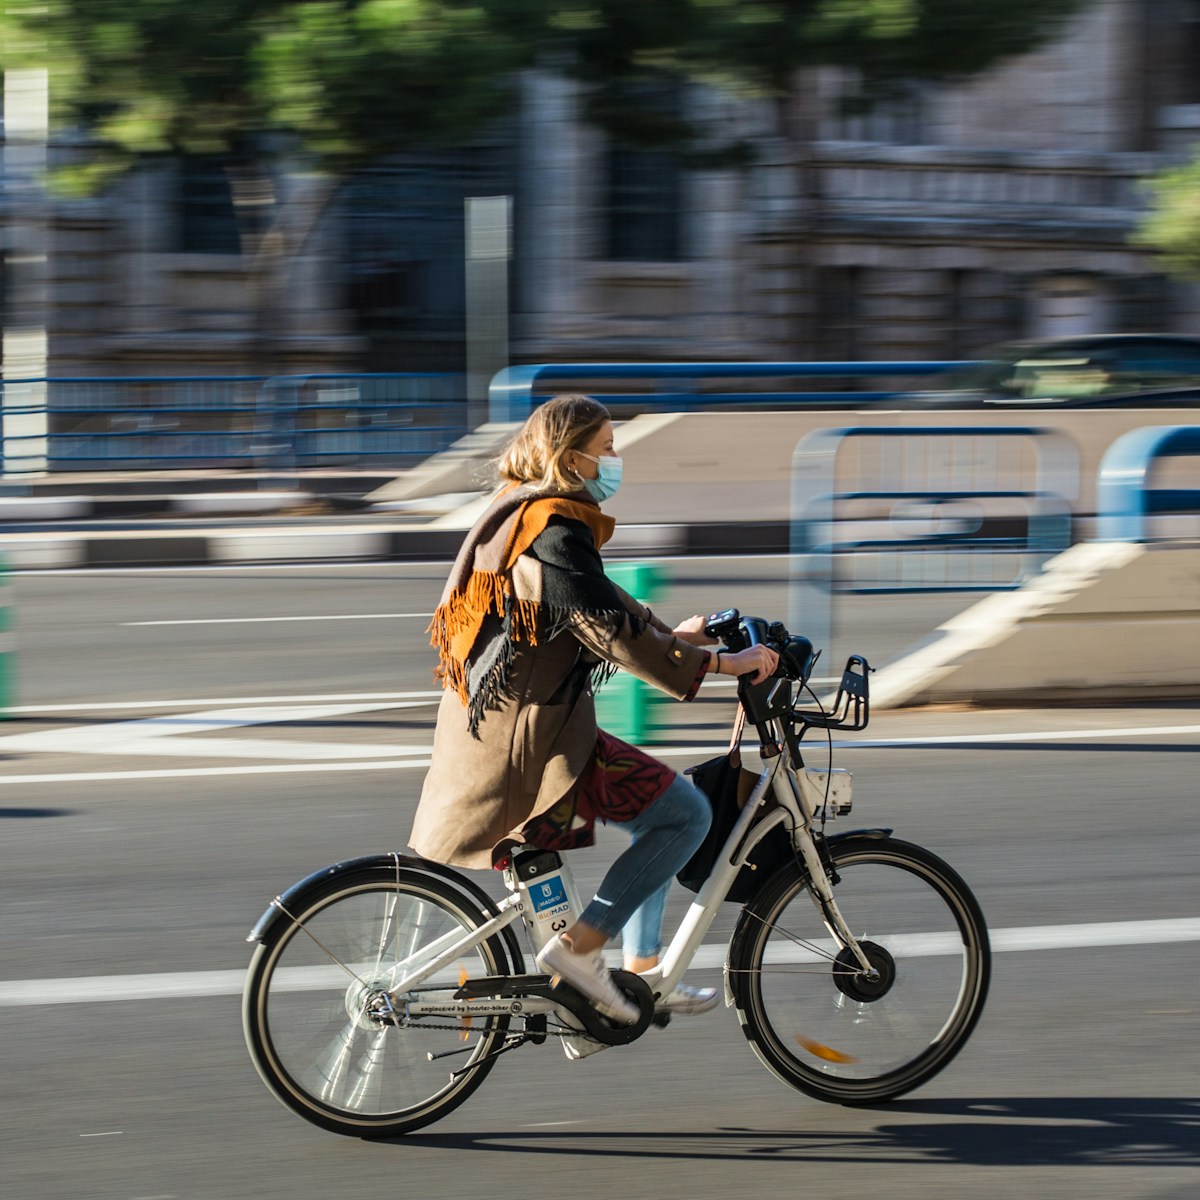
(309, 1032)
(816, 1022)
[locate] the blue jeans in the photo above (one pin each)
(632, 897)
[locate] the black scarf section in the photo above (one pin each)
(573, 583)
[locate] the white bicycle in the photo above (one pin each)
(858, 968)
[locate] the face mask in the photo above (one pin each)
(607, 481)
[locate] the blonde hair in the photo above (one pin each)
(536, 454)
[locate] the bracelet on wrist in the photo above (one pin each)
(718, 662)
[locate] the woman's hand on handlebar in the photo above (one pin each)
(692, 631)
(760, 659)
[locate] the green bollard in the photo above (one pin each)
(623, 704)
(7, 656)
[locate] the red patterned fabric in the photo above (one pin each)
(621, 782)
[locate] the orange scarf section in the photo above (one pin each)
(458, 620)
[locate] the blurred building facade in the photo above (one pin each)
(951, 218)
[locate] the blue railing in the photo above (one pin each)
(1124, 495)
(130, 423)
(514, 391)
(920, 509)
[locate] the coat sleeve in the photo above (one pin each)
(660, 659)
(633, 639)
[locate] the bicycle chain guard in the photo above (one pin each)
(594, 1025)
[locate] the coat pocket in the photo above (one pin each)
(539, 736)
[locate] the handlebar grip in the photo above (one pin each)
(754, 630)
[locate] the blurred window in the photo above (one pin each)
(207, 219)
(839, 289)
(1191, 53)
(897, 117)
(644, 199)
(644, 194)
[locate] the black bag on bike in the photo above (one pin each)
(728, 786)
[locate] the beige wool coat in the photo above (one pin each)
(532, 750)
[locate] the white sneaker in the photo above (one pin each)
(688, 1001)
(588, 974)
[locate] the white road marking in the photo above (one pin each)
(24, 993)
(1039, 735)
(167, 735)
(268, 620)
(77, 777)
(126, 705)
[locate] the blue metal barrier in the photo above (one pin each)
(932, 509)
(136, 423)
(512, 392)
(1124, 498)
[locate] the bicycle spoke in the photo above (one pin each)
(849, 1035)
(312, 991)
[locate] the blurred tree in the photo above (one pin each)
(258, 85)
(338, 83)
(1173, 224)
(763, 46)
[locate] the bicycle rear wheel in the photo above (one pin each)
(310, 1006)
(810, 1013)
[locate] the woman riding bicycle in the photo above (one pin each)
(527, 623)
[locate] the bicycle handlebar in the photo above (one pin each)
(773, 697)
(796, 654)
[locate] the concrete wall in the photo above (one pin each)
(1103, 622)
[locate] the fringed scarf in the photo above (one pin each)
(479, 620)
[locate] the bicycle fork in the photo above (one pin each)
(820, 881)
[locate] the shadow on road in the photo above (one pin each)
(1022, 1131)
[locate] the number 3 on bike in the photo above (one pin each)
(383, 990)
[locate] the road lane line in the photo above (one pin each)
(964, 739)
(1045, 735)
(26, 993)
(267, 620)
(168, 735)
(111, 737)
(291, 768)
(697, 752)
(224, 701)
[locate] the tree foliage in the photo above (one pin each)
(758, 46)
(346, 79)
(1173, 224)
(354, 79)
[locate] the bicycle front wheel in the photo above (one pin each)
(822, 1024)
(312, 1012)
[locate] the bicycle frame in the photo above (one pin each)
(795, 807)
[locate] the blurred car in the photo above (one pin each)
(1104, 370)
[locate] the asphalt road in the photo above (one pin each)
(189, 742)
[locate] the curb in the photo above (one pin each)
(314, 543)
(83, 508)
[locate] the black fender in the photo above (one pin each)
(300, 890)
(879, 834)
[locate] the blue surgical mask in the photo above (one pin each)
(607, 481)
